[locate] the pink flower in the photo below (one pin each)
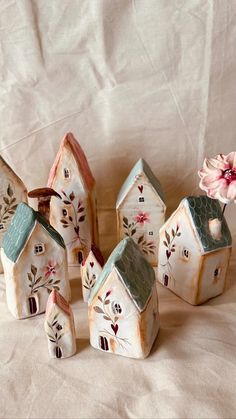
(218, 177)
(142, 217)
(50, 269)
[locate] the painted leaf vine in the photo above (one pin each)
(8, 205)
(78, 214)
(55, 334)
(89, 281)
(170, 237)
(36, 282)
(130, 229)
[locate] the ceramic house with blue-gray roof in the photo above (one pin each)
(141, 210)
(194, 250)
(34, 261)
(123, 304)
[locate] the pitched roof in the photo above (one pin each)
(4, 163)
(201, 209)
(56, 298)
(97, 254)
(140, 167)
(69, 140)
(134, 272)
(20, 228)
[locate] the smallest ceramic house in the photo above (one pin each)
(90, 270)
(141, 210)
(12, 191)
(34, 261)
(194, 251)
(59, 327)
(123, 305)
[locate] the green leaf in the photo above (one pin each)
(72, 196)
(64, 221)
(11, 212)
(125, 221)
(167, 237)
(106, 318)
(107, 302)
(9, 191)
(65, 226)
(81, 219)
(81, 209)
(100, 298)
(98, 309)
(67, 202)
(57, 282)
(140, 239)
(56, 288)
(51, 340)
(6, 200)
(173, 232)
(70, 218)
(87, 288)
(33, 269)
(38, 279)
(54, 323)
(14, 207)
(133, 231)
(115, 319)
(165, 243)
(29, 276)
(49, 325)
(178, 234)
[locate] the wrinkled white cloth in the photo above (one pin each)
(143, 78)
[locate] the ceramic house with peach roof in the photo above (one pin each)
(141, 210)
(59, 327)
(90, 270)
(12, 191)
(34, 261)
(123, 304)
(74, 216)
(194, 250)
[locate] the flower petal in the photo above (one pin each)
(231, 194)
(231, 159)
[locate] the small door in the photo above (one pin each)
(80, 257)
(103, 343)
(58, 352)
(33, 304)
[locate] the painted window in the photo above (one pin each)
(1, 226)
(150, 233)
(186, 253)
(64, 212)
(116, 308)
(141, 199)
(166, 279)
(80, 257)
(33, 306)
(39, 249)
(217, 272)
(103, 343)
(66, 173)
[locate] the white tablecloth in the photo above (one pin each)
(142, 78)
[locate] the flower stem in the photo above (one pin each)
(223, 210)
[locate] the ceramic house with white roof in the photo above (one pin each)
(141, 210)
(123, 304)
(59, 327)
(74, 216)
(90, 270)
(34, 261)
(194, 250)
(12, 191)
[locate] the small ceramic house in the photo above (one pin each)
(90, 270)
(75, 215)
(123, 305)
(12, 191)
(194, 250)
(59, 327)
(141, 210)
(34, 262)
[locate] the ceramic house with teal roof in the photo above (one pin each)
(34, 261)
(12, 191)
(141, 210)
(123, 304)
(194, 250)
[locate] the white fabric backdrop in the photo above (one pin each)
(142, 78)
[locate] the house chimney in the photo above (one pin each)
(44, 196)
(215, 226)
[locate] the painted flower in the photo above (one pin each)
(218, 177)
(50, 269)
(142, 217)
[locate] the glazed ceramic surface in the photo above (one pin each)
(34, 261)
(141, 210)
(59, 327)
(90, 271)
(12, 192)
(193, 257)
(123, 305)
(74, 216)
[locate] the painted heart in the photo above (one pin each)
(91, 264)
(115, 328)
(140, 188)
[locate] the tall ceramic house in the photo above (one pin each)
(141, 210)
(194, 251)
(12, 191)
(34, 262)
(74, 216)
(123, 305)
(59, 327)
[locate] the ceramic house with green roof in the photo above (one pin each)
(12, 191)
(194, 250)
(123, 304)
(34, 261)
(141, 210)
